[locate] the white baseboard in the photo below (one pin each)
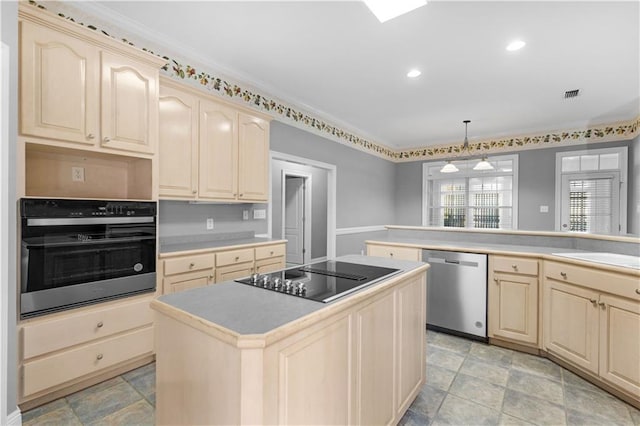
(360, 229)
(15, 418)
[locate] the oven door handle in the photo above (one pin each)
(88, 220)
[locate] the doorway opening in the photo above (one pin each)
(314, 183)
(296, 216)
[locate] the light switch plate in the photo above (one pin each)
(210, 223)
(260, 214)
(245, 214)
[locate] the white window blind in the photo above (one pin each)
(590, 205)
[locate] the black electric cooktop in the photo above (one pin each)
(322, 281)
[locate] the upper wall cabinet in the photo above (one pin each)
(210, 150)
(78, 88)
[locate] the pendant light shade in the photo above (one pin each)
(449, 168)
(483, 165)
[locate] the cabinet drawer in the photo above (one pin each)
(53, 370)
(232, 272)
(270, 251)
(403, 253)
(265, 266)
(605, 281)
(234, 256)
(189, 264)
(515, 265)
(69, 330)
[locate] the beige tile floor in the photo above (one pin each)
(468, 383)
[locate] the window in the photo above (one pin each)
(470, 198)
(588, 187)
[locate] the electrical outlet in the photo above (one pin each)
(245, 214)
(77, 174)
(544, 209)
(210, 223)
(260, 214)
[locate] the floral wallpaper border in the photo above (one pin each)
(263, 103)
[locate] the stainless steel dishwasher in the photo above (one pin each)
(457, 292)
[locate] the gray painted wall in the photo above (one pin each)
(318, 203)
(536, 182)
(179, 218)
(365, 183)
(9, 13)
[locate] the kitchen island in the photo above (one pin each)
(232, 353)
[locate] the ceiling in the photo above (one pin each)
(336, 60)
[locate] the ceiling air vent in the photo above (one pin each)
(571, 93)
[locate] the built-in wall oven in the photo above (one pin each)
(78, 252)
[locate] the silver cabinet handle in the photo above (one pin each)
(100, 324)
(107, 139)
(194, 191)
(563, 275)
(515, 267)
(495, 280)
(594, 301)
(191, 265)
(90, 136)
(237, 258)
(99, 357)
(637, 290)
(602, 304)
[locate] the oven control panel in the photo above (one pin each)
(48, 208)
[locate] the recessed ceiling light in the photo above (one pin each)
(386, 9)
(515, 45)
(413, 73)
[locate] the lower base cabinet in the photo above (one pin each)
(61, 350)
(592, 329)
(362, 365)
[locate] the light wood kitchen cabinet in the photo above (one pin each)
(222, 153)
(218, 151)
(620, 342)
(186, 272)
(59, 76)
(77, 89)
(270, 258)
(394, 252)
(592, 320)
(361, 358)
(234, 264)
(253, 158)
(513, 299)
(178, 143)
(59, 351)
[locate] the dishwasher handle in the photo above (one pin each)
(454, 262)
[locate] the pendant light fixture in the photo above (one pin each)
(484, 164)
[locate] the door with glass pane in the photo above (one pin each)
(591, 203)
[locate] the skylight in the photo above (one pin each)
(389, 9)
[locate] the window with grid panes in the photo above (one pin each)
(588, 188)
(470, 198)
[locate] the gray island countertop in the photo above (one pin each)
(247, 310)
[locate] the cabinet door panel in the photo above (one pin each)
(59, 86)
(620, 343)
(571, 324)
(513, 308)
(230, 273)
(129, 104)
(411, 300)
(314, 378)
(253, 179)
(218, 151)
(178, 143)
(265, 266)
(376, 341)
